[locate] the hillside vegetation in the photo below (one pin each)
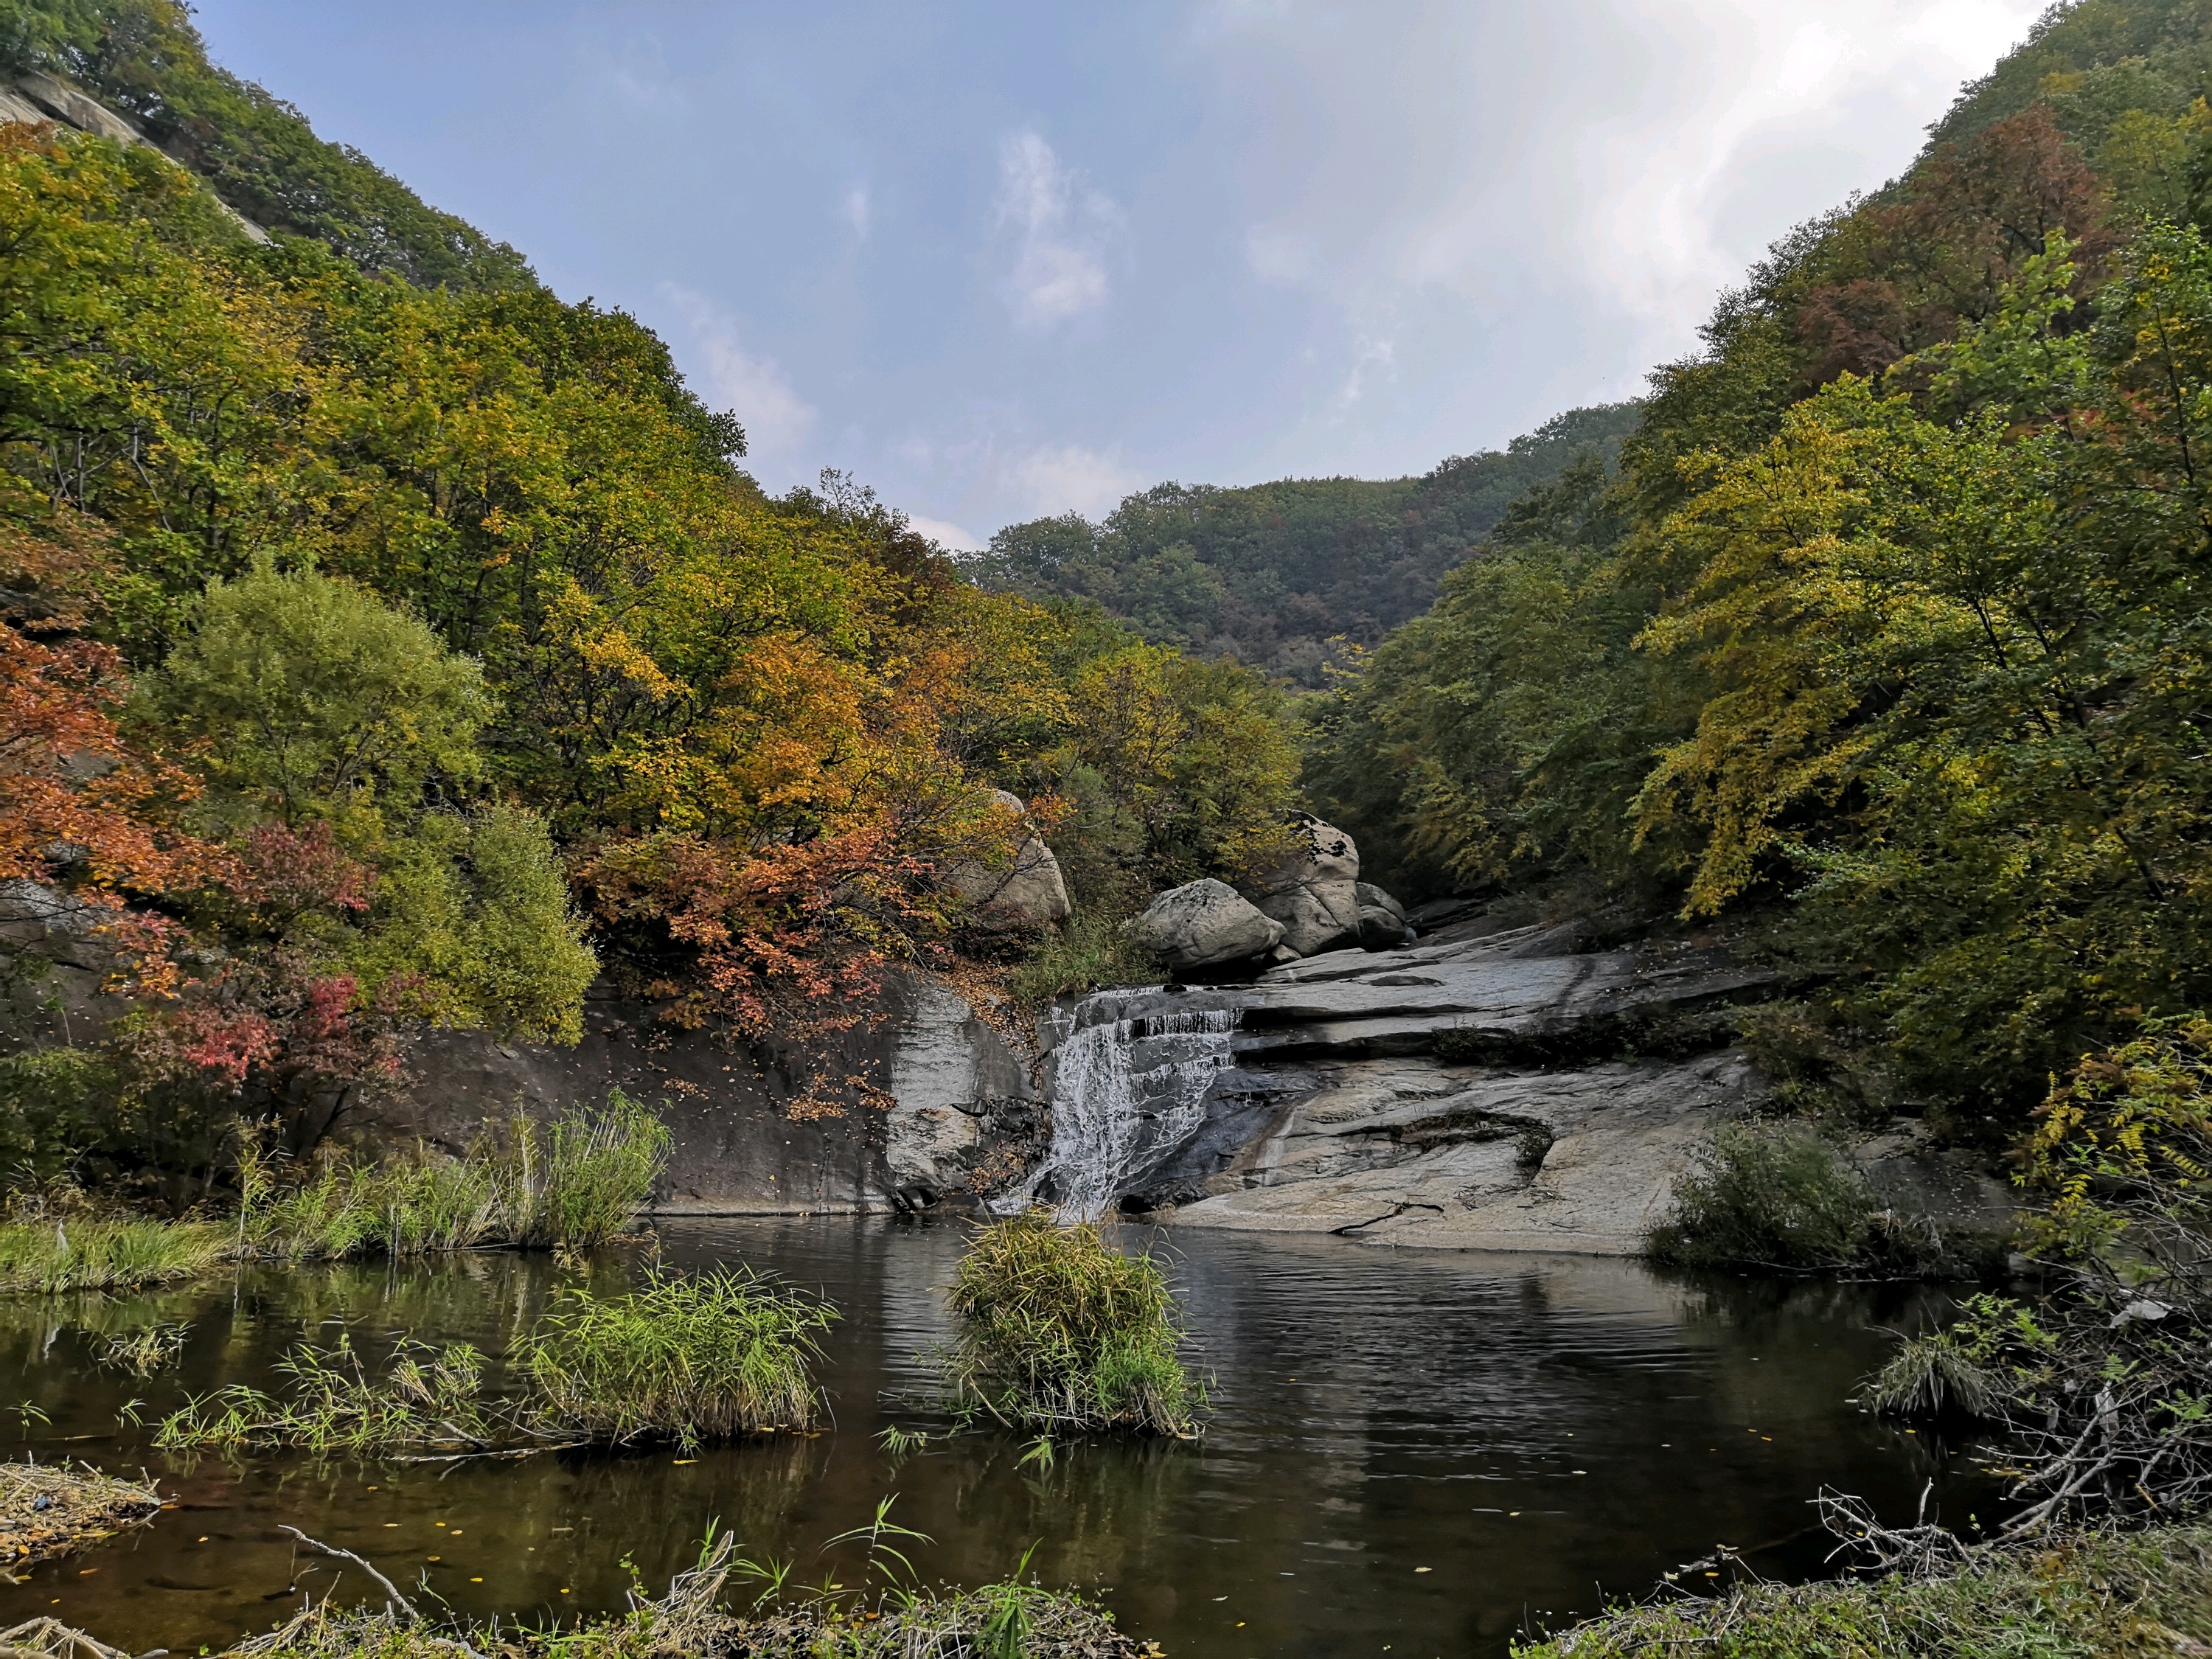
(384, 641)
(1895, 609)
(1290, 575)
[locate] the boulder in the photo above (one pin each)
(1027, 896)
(1383, 925)
(1204, 924)
(1314, 891)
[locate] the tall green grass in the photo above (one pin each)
(84, 1254)
(1061, 1334)
(572, 1185)
(727, 1353)
(709, 1358)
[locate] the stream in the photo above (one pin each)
(1425, 1453)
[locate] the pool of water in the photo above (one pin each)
(1425, 1454)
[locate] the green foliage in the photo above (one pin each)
(706, 1358)
(1942, 1373)
(1063, 1334)
(313, 699)
(429, 1397)
(55, 1104)
(473, 911)
(145, 58)
(2063, 1597)
(571, 1186)
(1287, 575)
(1768, 1197)
(85, 1253)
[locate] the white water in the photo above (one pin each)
(1118, 1113)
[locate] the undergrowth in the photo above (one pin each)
(1061, 1334)
(1781, 1199)
(2148, 1593)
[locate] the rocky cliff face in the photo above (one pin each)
(1483, 1088)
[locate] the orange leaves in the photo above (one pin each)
(74, 794)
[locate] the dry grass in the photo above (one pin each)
(50, 1509)
(2145, 1593)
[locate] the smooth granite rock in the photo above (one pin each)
(1204, 924)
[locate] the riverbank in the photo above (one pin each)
(2138, 1593)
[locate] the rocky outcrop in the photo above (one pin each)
(1382, 924)
(39, 97)
(1028, 895)
(1483, 1088)
(1203, 925)
(904, 1110)
(1314, 891)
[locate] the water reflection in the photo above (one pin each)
(1532, 1430)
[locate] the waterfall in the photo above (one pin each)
(1127, 1093)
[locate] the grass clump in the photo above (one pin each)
(91, 1253)
(50, 1509)
(2144, 1593)
(428, 1398)
(1061, 1334)
(1783, 1199)
(1941, 1373)
(709, 1358)
(571, 1186)
(725, 1354)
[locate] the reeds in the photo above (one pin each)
(1061, 1334)
(569, 1186)
(85, 1253)
(1934, 1375)
(428, 1398)
(687, 1360)
(722, 1354)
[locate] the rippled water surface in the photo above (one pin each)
(1434, 1452)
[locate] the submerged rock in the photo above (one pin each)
(1204, 924)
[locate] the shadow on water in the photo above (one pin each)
(1438, 1451)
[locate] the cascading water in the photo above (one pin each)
(1129, 1090)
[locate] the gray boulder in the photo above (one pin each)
(1027, 896)
(1314, 891)
(1204, 924)
(1383, 925)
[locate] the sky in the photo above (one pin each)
(1004, 260)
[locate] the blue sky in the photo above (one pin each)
(1001, 260)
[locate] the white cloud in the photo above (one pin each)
(1377, 359)
(946, 534)
(1060, 229)
(776, 419)
(857, 211)
(1277, 255)
(1058, 478)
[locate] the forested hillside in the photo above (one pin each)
(1899, 608)
(1285, 574)
(376, 650)
(143, 59)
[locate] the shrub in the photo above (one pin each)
(1058, 1331)
(1767, 1199)
(704, 1359)
(1941, 1373)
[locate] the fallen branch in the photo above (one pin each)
(397, 1601)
